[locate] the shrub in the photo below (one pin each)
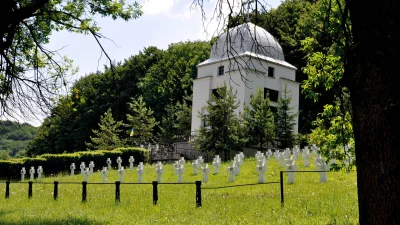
(58, 163)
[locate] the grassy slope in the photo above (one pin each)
(306, 202)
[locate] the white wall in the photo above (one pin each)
(201, 93)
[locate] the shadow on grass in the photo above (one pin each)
(37, 221)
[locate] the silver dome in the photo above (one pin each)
(246, 38)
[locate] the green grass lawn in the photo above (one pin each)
(306, 201)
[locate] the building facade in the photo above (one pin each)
(246, 58)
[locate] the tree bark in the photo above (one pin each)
(373, 71)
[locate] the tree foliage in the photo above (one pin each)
(334, 133)
(141, 120)
(30, 74)
(176, 124)
(14, 138)
(107, 137)
(172, 77)
(73, 118)
(222, 130)
(285, 121)
(258, 120)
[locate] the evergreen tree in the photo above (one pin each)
(285, 121)
(183, 124)
(176, 123)
(259, 120)
(167, 127)
(107, 137)
(221, 133)
(141, 120)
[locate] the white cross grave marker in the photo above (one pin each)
(119, 161)
(205, 171)
(131, 160)
(290, 174)
(176, 166)
(317, 160)
(82, 166)
(23, 172)
(39, 172)
(72, 168)
(108, 161)
(241, 157)
(121, 173)
(86, 173)
(104, 173)
(237, 168)
(216, 164)
(269, 153)
(159, 171)
(261, 169)
(321, 166)
(182, 159)
(231, 171)
(282, 160)
(140, 172)
(196, 165)
(306, 156)
(201, 160)
(180, 170)
(91, 166)
(32, 173)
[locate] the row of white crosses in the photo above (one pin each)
(234, 168)
(179, 168)
(32, 173)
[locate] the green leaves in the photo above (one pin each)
(142, 120)
(222, 130)
(107, 137)
(258, 120)
(26, 64)
(285, 121)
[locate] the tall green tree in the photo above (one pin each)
(141, 120)
(221, 133)
(183, 123)
(285, 120)
(27, 64)
(176, 124)
(259, 120)
(107, 137)
(172, 77)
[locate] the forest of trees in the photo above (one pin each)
(14, 138)
(162, 81)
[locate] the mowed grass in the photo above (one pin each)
(307, 201)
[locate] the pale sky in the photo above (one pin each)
(163, 22)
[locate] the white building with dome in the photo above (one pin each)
(246, 53)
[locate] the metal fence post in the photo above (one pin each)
(155, 192)
(30, 189)
(198, 193)
(84, 183)
(282, 196)
(7, 189)
(55, 190)
(117, 191)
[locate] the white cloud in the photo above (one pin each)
(153, 7)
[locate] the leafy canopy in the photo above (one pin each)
(30, 74)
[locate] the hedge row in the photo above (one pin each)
(58, 163)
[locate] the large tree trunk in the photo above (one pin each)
(373, 71)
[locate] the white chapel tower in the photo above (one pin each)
(244, 53)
